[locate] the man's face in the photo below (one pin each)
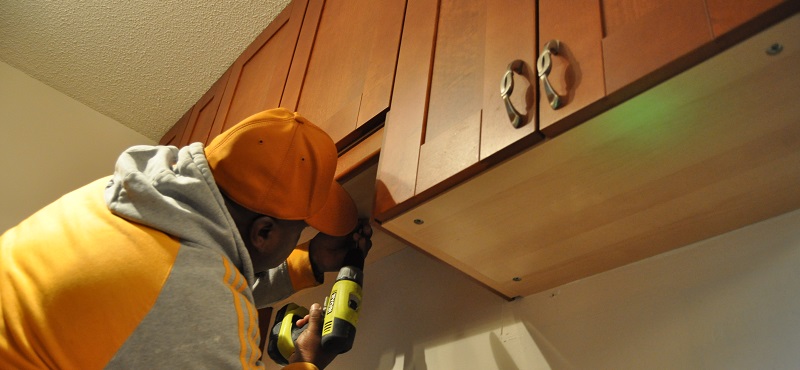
(279, 244)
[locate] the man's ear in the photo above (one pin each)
(260, 230)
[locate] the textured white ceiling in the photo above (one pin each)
(140, 62)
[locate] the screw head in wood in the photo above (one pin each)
(774, 49)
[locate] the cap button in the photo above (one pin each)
(299, 118)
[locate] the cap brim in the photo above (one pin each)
(338, 216)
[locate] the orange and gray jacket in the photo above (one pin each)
(143, 269)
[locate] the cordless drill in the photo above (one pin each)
(341, 314)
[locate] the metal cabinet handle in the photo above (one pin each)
(506, 88)
(543, 65)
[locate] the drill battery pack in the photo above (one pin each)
(285, 331)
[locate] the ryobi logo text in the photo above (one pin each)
(330, 304)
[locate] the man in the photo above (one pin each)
(163, 264)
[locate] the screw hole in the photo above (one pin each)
(517, 278)
(774, 49)
(418, 221)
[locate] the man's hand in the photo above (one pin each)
(308, 346)
(327, 252)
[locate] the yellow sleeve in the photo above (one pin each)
(77, 281)
(301, 366)
(300, 271)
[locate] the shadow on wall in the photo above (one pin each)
(501, 355)
(421, 314)
(727, 302)
(414, 308)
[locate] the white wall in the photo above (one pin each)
(51, 144)
(730, 302)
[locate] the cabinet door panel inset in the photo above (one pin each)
(258, 76)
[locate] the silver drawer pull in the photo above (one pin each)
(543, 65)
(506, 88)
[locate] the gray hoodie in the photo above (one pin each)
(193, 320)
(141, 270)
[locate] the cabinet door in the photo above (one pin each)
(342, 73)
(576, 67)
(258, 76)
(198, 128)
(448, 120)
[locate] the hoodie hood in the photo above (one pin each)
(173, 190)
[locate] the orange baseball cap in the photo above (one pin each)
(279, 164)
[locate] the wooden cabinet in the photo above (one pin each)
(635, 161)
(708, 151)
(343, 70)
(448, 120)
(333, 61)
